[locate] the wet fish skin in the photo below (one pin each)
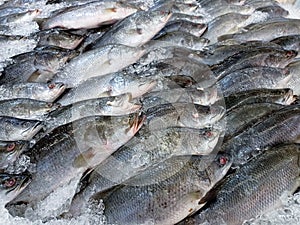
(38, 91)
(185, 39)
(97, 62)
(252, 78)
(243, 116)
(227, 23)
(268, 56)
(187, 17)
(183, 115)
(10, 151)
(5, 11)
(58, 38)
(27, 108)
(109, 85)
(279, 96)
(136, 29)
(39, 65)
(142, 152)
(291, 42)
(249, 188)
(14, 129)
(195, 29)
(164, 201)
(273, 11)
(20, 17)
(207, 96)
(266, 31)
(89, 15)
(294, 82)
(106, 106)
(82, 145)
(281, 126)
(11, 185)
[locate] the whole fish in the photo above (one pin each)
(38, 91)
(207, 96)
(224, 24)
(136, 29)
(27, 108)
(281, 126)
(142, 153)
(195, 29)
(14, 129)
(247, 193)
(183, 115)
(10, 151)
(184, 39)
(268, 56)
(164, 201)
(97, 62)
(106, 106)
(89, 15)
(36, 66)
(69, 150)
(58, 38)
(278, 96)
(11, 185)
(109, 85)
(266, 31)
(253, 78)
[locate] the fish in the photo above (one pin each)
(106, 106)
(20, 17)
(227, 23)
(97, 62)
(266, 31)
(39, 65)
(195, 29)
(27, 108)
(14, 129)
(144, 151)
(81, 144)
(47, 92)
(164, 201)
(253, 78)
(291, 42)
(283, 96)
(243, 116)
(183, 115)
(112, 84)
(268, 56)
(273, 11)
(58, 38)
(294, 82)
(184, 39)
(11, 185)
(5, 11)
(89, 15)
(187, 17)
(246, 193)
(281, 126)
(188, 95)
(10, 151)
(136, 29)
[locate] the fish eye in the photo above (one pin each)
(50, 105)
(51, 86)
(11, 147)
(208, 134)
(26, 124)
(10, 182)
(223, 160)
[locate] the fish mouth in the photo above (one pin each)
(31, 131)
(137, 123)
(22, 185)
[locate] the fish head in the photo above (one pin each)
(10, 151)
(216, 113)
(121, 104)
(211, 137)
(12, 184)
(281, 59)
(21, 128)
(141, 86)
(216, 170)
(51, 91)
